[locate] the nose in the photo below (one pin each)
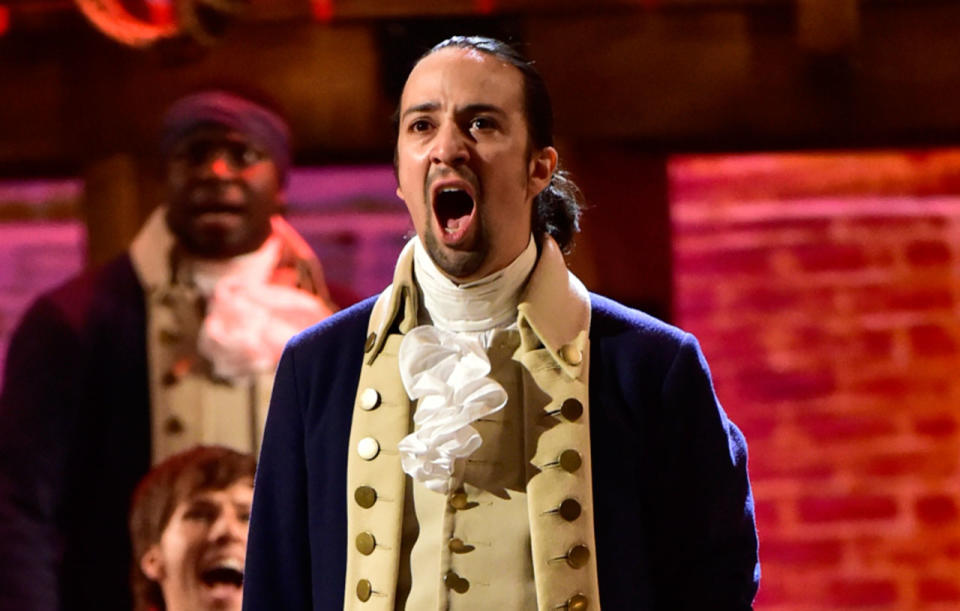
(228, 527)
(449, 146)
(219, 165)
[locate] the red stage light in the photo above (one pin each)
(4, 19)
(322, 10)
(484, 7)
(161, 12)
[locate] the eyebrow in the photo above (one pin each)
(469, 108)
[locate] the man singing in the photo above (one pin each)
(486, 434)
(171, 344)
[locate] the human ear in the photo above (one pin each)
(151, 563)
(542, 165)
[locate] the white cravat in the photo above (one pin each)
(480, 305)
(248, 319)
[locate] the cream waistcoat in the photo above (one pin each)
(188, 404)
(466, 537)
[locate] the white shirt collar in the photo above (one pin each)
(484, 304)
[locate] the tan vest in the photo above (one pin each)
(519, 533)
(189, 406)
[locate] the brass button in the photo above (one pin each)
(368, 448)
(457, 546)
(571, 354)
(369, 399)
(577, 602)
(578, 556)
(365, 496)
(173, 426)
(364, 589)
(569, 510)
(170, 336)
(458, 500)
(570, 460)
(371, 340)
(455, 582)
(571, 409)
(366, 542)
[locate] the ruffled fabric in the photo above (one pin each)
(447, 374)
(247, 325)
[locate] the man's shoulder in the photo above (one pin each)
(99, 290)
(343, 326)
(611, 318)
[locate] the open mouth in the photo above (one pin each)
(453, 208)
(228, 572)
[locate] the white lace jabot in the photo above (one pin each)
(447, 374)
(444, 365)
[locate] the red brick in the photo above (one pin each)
(919, 299)
(764, 385)
(788, 467)
(898, 224)
(766, 515)
(874, 344)
(832, 426)
(936, 510)
(801, 553)
(863, 592)
(928, 252)
(911, 464)
(779, 298)
(757, 428)
(886, 386)
(942, 425)
(830, 257)
(768, 299)
(938, 591)
(884, 298)
(932, 340)
(696, 303)
(847, 508)
(723, 262)
(771, 594)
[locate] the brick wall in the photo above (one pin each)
(825, 291)
(42, 243)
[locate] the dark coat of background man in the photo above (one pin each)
(487, 434)
(174, 343)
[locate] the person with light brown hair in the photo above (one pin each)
(188, 526)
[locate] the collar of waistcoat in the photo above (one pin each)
(554, 306)
(155, 257)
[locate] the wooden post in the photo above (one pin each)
(111, 205)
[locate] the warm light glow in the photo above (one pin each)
(484, 7)
(4, 19)
(161, 12)
(322, 10)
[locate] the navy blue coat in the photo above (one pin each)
(74, 441)
(674, 513)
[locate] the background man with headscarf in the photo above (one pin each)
(492, 436)
(172, 344)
